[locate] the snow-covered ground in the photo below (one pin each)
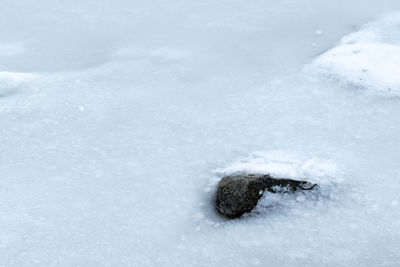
(118, 118)
(368, 59)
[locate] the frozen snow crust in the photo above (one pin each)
(368, 59)
(107, 155)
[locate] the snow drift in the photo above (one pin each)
(368, 59)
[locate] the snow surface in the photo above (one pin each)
(368, 59)
(120, 117)
(286, 164)
(10, 82)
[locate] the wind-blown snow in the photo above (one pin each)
(368, 59)
(108, 154)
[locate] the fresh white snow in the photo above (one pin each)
(119, 117)
(286, 164)
(368, 59)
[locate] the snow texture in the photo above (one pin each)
(10, 82)
(285, 164)
(108, 152)
(368, 59)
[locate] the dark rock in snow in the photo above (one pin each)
(239, 194)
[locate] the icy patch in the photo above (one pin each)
(10, 82)
(10, 49)
(153, 55)
(368, 59)
(285, 164)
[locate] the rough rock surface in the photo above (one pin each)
(239, 194)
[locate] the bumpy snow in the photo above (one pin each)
(118, 118)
